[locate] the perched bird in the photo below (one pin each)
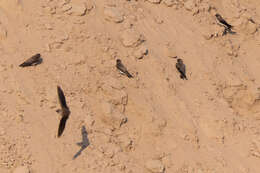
(64, 111)
(34, 60)
(122, 68)
(222, 21)
(181, 68)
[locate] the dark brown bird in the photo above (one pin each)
(64, 111)
(122, 68)
(181, 68)
(34, 60)
(222, 21)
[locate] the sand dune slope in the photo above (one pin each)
(154, 122)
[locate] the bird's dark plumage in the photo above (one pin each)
(122, 68)
(181, 68)
(34, 60)
(62, 99)
(62, 125)
(65, 112)
(222, 21)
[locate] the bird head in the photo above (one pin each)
(118, 61)
(59, 111)
(179, 60)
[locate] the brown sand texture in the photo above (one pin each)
(154, 122)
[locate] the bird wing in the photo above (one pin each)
(62, 125)
(182, 69)
(123, 69)
(223, 21)
(62, 99)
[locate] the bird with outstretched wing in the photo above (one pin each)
(64, 111)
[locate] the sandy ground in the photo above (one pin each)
(154, 122)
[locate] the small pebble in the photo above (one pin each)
(155, 166)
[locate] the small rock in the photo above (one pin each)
(131, 38)
(251, 27)
(128, 25)
(207, 35)
(113, 14)
(158, 20)
(48, 26)
(169, 3)
(55, 45)
(115, 119)
(154, 1)
(66, 7)
(205, 7)
(22, 169)
(125, 142)
(141, 52)
(189, 5)
(155, 166)
(89, 5)
(170, 52)
(89, 120)
(78, 9)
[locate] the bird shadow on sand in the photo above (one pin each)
(85, 142)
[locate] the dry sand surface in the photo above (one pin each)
(154, 122)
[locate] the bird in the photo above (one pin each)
(222, 21)
(181, 68)
(34, 60)
(64, 111)
(122, 68)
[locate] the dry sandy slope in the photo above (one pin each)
(207, 124)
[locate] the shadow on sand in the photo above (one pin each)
(85, 142)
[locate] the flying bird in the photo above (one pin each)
(122, 68)
(34, 60)
(181, 68)
(222, 21)
(64, 111)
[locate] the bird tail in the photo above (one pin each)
(129, 75)
(183, 76)
(24, 64)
